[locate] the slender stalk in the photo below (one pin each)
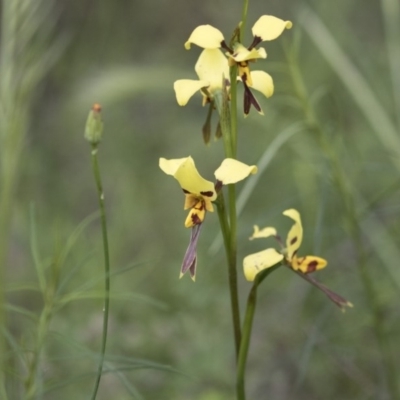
(233, 113)
(96, 172)
(244, 17)
(230, 240)
(231, 259)
(244, 347)
(247, 328)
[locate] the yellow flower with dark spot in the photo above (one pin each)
(200, 193)
(254, 263)
(303, 266)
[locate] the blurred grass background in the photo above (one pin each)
(126, 56)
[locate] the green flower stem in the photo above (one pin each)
(222, 104)
(244, 17)
(96, 172)
(231, 258)
(228, 119)
(247, 327)
(340, 180)
(244, 347)
(233, 124)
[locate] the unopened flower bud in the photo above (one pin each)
(94, 125)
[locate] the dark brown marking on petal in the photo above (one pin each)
(226, 47)
(294, 253)
(294, 240)
(195, 219)
(209, 193)
(312, 266)
(257, 40)
(199, 205)
(186, 191)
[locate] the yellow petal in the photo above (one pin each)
(205, 36)
(254, 263)
(262, 82)
(185, 172)
(233, 171)
(295, 235)
(269, 28)
(263, 233)
(241, 53)
(308, 264)
(212, 66)
(186, 88)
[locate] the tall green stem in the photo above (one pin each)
(247, 328)
(244, 347)
(244, 17)
(230, 240)
(96, 172)
(233, 113)
(223, 220)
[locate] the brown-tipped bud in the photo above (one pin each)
(94, 125)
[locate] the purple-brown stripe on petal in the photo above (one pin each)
(294, 240)
(189, 259)
(249, 99)
(186, 191)
(209, 193)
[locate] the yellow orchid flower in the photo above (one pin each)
(266, 28)
(211, 68)
(213, 72)
(257, 262)
(199, 195)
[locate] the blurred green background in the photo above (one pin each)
(336, 83)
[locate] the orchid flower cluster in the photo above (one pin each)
(219, 67)
(212, 67)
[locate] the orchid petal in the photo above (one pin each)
(263, 233)
(233, 171)
(255, 263)
(186, 88)
(185, 172)
(269, 27)
(295, 235)
(242, 54)
(262, 82)
(308, 264)
(205, 36)
(212, 66)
